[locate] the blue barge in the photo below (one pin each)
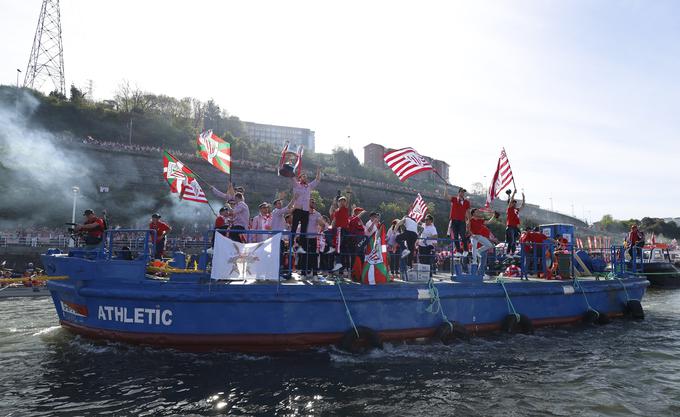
(117, 299)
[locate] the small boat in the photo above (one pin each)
(114, 298)
(12, 291)
(658, 267)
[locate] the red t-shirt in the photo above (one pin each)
(634, 237)
(342, 217)
(220, 222)
(459, 209)
(160, 228)
(97, 232)
(355, 226)
(477, 227)
(513, 216)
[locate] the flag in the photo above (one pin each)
(181, 179)
(501, 178)
(418, 209)
(235, 260)
(375, 264)
(214, 150)
(298, 163)
(406, 162)
(192, 191)
(590, 242)
(283, 158)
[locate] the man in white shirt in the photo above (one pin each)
(308, 260)
(261, 222)
(241, 214)
(302, 194)
(427, 242)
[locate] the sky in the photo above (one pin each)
(583, 95)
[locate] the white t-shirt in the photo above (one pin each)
(279, 219)
(411, 225)
(428, 232)
(313, 225)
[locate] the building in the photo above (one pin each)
(373, 156)
(278, 135)
(374, 153)
(441, 167)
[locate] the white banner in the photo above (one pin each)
(234, 260)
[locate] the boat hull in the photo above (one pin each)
(270, 317)
(662, 274)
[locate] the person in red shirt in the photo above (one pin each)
(162, 229)
(480, 235)
(93, 227)
(339, 212)
(512, 229)
(635, 239)
(459, 215)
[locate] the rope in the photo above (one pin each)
(511, 307)
(349, 315)
(35, 278)
(580, 287)
(435, 303)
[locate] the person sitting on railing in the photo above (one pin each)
(93, 227)
(162, 229)
(426, 242)
(480, 235)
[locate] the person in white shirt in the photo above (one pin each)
(278, 216)
(427, 242)
(302, 194)
(241, 218)
(261, 222)
(309, 242)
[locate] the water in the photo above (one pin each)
(624, 368)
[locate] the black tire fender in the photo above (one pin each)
(364, 342)
(591, 316)
(513, 324)
(448, 333)
(634, 310)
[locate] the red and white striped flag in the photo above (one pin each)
(192, 191)
(590, 242)
(501, 178)
(418, 209)
(406, 162)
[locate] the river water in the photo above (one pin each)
(624, 368)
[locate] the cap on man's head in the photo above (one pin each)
(88, 212)
(276, 201)
(264, 204)
(343, 198)
(374, 214)
(155, 216)
(357, 210)
(429, 217)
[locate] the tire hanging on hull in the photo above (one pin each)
(448, 333)
(366, 340)
(513, 324)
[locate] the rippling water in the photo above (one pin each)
(624, 368)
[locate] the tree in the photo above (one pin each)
(77, 96)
